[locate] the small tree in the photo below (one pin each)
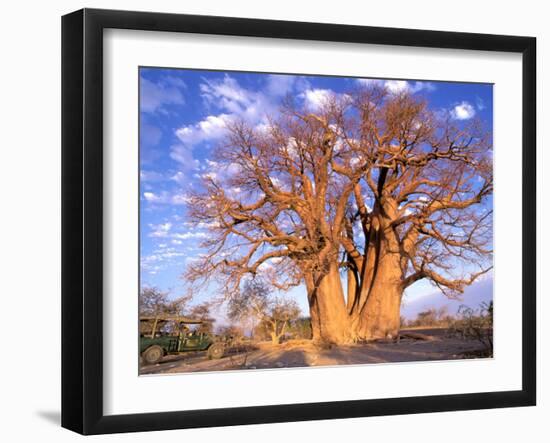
(201, 311)
(153, 302)
(156, 303)
(272, 314)
(426, 318)
(442, 313)
(281, 312)
(248, 307)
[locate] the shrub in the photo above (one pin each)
(475, 324)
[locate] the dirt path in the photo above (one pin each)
(423, 345)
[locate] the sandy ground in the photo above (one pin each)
(427, 344)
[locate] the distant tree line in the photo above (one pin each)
(468, 323)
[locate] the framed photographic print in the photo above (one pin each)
(270, 221)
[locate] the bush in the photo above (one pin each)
(301, 328)
(475, 324)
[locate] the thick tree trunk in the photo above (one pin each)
(376, 313)
(275, 338)
(313, 308)
(353, 288)
(380, 314)
(332, 320)
(373, 307)
(277, 334)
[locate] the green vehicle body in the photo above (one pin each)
(155, 345)
(176, 344)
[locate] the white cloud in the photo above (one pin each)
(179, 177)
(152, 197)
(150, 176)
(232, 169)
(234, 101)
(210, 175)
(227, 94)
(188, 235)
(161, 230)
(421, 86)
(171, 254)
(398, 86)
(211, 128)
(202, 225)
(315, 99)
(160, 259)
(154, 96)
(279, 85)
(180, 199)
(369, 81)
(183, 154)
(150, 268)
(174, 81)
(480, 104)
(165, 198)
(463, 111)
(213, 124)
(230, 102)
(211, 163)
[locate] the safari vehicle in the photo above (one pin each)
(164, 335)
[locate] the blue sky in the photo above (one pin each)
(182, 117)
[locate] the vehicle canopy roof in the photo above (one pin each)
(175, 318)
(150, 324)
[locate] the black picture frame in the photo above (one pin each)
(82, 218)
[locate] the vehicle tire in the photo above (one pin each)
(153, 354)
(216, 351)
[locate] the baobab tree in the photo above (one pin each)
(372, 185)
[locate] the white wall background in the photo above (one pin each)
(30, 218)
